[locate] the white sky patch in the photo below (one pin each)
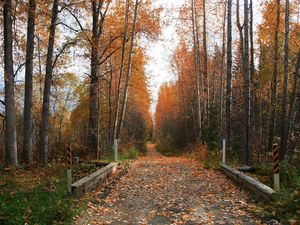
(161, 51)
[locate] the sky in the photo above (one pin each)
(160, 51)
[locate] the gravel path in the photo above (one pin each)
(160, 190)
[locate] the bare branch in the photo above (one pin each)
(65, 46)
(108, 46)
(69, 27)
(19, 68)
(108, 56)
(3, 103)
(78, 22)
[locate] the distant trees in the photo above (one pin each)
(249, 119)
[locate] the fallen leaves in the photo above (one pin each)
(160, 190)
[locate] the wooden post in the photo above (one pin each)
(276, 167)
(69, 165)
(224, 151)
(116, 149)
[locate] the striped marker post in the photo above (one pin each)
(276, 167)
(69, 165)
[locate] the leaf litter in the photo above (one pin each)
(171, 190)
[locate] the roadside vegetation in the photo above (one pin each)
(36, 196)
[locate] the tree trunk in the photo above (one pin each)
(110, 116)
(206, 82)
(229, 74)
(28, 121)
(124, 37)
(197, 70)
(294, 109)
(240, 28)
(222, 71)
(252, 62)
(247, 93)
(93, 99)
(284, 136)
(11, 158)
(47, 87)
(128, 72)
(275, 79)
(98, 19)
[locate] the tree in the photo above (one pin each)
(11, 158)
(197, 64)
(98, 18)
(247, 92)
(124, 40)
(44, 138)
(222, 69)
(275, 78)
(28, 121)
(205, 58)
(284, 132)
(128, 71)
(229, 73)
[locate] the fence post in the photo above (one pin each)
(223, 151)
(69, 165)
(276, 167)
(116, 149)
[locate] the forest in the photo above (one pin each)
(71, 70)
(75, 82)
(244, 89)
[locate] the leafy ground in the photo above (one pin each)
(176, 190)
(36, 196)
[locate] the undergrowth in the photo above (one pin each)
(286, 204)
(43, 200)
(210, 158)
(166, 147)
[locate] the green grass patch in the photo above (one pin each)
(125, 154)
(286, 204)
(36, 198)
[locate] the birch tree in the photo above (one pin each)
(197, 66)
(275, 77)
(128, 75)
(284, 134)
(247, 93)
(229, 73)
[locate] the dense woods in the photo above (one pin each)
(242, 88)
(73, 72)
(71, 79)
(88, 86)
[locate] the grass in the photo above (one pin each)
(210, 158)
(36, 197)
(286, 204)
(124, 154)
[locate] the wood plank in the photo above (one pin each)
(92, 180)
(249, 183)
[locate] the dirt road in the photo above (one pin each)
(161, 190)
